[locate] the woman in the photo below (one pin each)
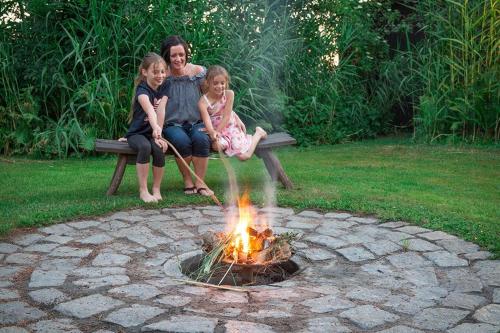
(183, 125)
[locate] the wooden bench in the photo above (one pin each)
(264, 150)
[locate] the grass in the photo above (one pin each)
(449, 188)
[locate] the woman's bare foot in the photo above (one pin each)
(157, 195)
(146, 197)
(260, 132)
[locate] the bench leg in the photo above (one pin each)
(121, 164)
(274, 167)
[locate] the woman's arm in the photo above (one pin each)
(226, 113)
(150, 111)
(203, 107)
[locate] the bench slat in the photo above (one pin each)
(114, 146)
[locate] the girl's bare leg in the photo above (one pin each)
(142, 177)
(200, 168)
(259, 135)
(157, 177)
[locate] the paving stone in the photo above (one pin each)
(421, 277)
(17, 312)
(196, 221)
(194, 290)
(126, 249)
(333, 243)
(412, 230)
(355, 254)
(421, 245)
(463, 301)
(187, 214)
(310, 213)
(445, 259)
(41, 278)
(140, 291)
(438, 318)
(382, 247)
(368, 316)
(8, 248)
(177, 234)
(8, 294)
(131, 218)
(393, 225)
(302, 225)
(142, 236)
(331, 231)
(44, 247)
(59, 239)
(61, 325)
(328, 303)
(325, 324)
(401, 329)
(474, 328)
(488, 271)
(357, 238)
(436, 235)
(58, 229)
(28, 239)
(480, 255)
(185, 245)
(430, 293)
(489, 314)
(135, 315)
(84, 224)
(458, 246)
(407, 260)
(59, 264)
(113, 226)
(98, 282)
(13, 329)
(277, 210)
(369, 294)
(110, 259)
(267, 313)
(87, 306)
(48, 296)
(496, 295)
(96, 239)
(462, 280)
(316, 254)
(395, 236)
(339, 216)
(408, 305)
(363, 220)
(236, 326)
(229, 297)
(98, 271)
(73, 252)
(174, 300)
(184, 324)
(22, 258)
(9, 272)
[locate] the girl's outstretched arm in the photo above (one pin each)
(226, 113)
(160, 111)
(203, 107)
(150, 111)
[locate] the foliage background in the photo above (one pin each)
(67, 67)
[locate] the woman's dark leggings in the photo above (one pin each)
(146, 147)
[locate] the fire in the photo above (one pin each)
(245, 240)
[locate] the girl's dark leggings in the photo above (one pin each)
(145, 147)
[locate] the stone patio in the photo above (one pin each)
(118, 274)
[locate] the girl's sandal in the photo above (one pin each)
(190, 190)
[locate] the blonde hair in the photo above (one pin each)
(149, 59)
(212, 72)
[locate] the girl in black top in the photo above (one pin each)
(144, 134)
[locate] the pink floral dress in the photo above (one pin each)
(232, 139)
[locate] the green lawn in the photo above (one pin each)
(453, 189)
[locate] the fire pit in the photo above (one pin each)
(248, 253)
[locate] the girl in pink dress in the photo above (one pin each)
(227, 131)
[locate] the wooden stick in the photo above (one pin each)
(203, 284)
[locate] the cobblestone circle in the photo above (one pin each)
(118, 273)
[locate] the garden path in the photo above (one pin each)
(118, 273)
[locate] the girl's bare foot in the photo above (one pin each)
(260, 132)
(146, 197)
(157, 195)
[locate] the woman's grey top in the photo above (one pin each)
(183, 94)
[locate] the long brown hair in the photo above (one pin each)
(212, 72)
(149, 59)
